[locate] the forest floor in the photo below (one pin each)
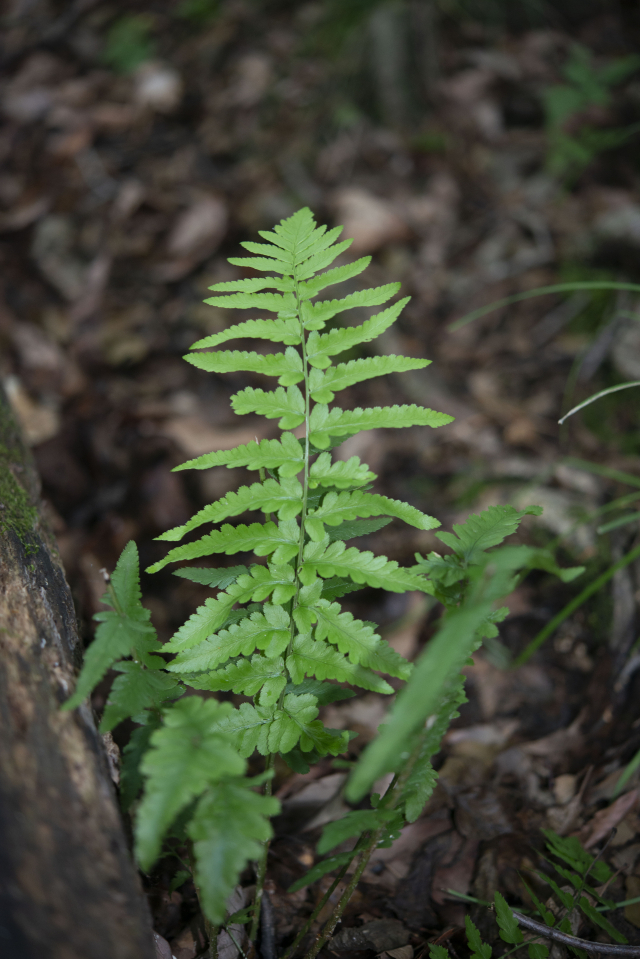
(121, 197)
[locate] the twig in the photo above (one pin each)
(267, 929)
(594, 948)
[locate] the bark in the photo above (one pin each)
(68, 888)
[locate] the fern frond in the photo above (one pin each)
(268, 249)
(296, 232)
(220, 578)
(124, 629)
(229, 826)
(272, 730)
(315, 315)
(325, 384)
(320, 346)
(201, 624)
(214, 613)
(338, 507)
(340, 473)
(276, 302)
(284, 498)
(258, 537)
(288, 404)
(324, 423)
(284, 454)
(362, 567)
(286, 366)
(134, 691)
(319, 260)
(268, 631)
(486, 529)
(358, 527)
(187, 753)
(278, 331)
(307, 290)
(260, 263)
(358, 640)
(248, 728)
(311, 658)
(249, 676)
(253, 284)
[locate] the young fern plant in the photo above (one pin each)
(275, 631)
(284, 652)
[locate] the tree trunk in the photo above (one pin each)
(68, 888)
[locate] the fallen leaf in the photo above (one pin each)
(163, 949)
(607, 819)
(369, 220)
(38, 422)
(379, 935)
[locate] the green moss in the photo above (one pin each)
(16, 511)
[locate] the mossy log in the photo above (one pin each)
(68, 888)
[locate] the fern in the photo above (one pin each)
(275, 630)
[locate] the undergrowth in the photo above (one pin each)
(274, 632)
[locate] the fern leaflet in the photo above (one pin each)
(187, 754)
(314, 316)
(285, 455)
(286, 366)
(338, 507)
(320, 346)
(268, 631)
(283, 498)
(324, 384)
(324, 424)
(288, 404)
(278, 331)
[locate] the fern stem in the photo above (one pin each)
(316, 912)
(390, 801)
(262, 863)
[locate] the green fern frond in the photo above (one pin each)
(324, 424)
(134, 691)
(285, 455)
(358, 640)
(260, 263)
(278, 331)
(286, 366)
(311, 658)
(314, 316)
(362, 567)
(272, 730)
(283, 498)
(338, 507)
(259, 674)
(187, 753)
(320, 346)
(339, 274)
(220, 578)
(124, 630)
(489, 528)
(254, 284)
(341, 473)
(228, 539)
(324, 384)
(268, 631)
(276, 302)
(229, 826)
(288, 404)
